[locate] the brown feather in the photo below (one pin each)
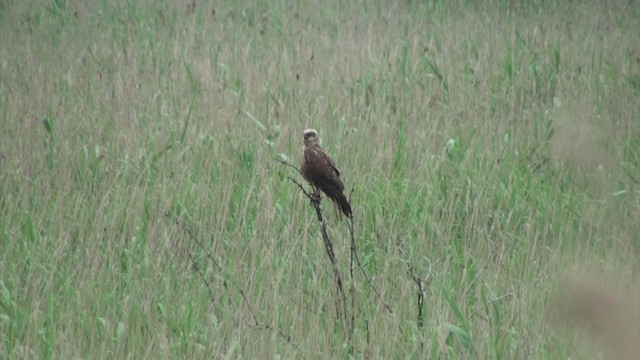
(319, 169)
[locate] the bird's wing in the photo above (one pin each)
(329, 160)
(319, 169)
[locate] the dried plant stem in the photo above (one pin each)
(255, 322)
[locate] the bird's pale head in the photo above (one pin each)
(310, 136)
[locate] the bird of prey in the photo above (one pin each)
(320, 170)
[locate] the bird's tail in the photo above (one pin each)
(344, 205)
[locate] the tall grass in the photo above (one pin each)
(490, 147)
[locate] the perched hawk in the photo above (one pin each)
(320, 170)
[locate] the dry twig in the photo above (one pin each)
(255, 323)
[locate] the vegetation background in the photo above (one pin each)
(490, 147)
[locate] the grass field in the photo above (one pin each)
(492, 148)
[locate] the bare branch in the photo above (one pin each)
(245, 299)
(316, 199)
(195, 265)
(494, 300)
(364, 273)
(422, 284)
(283, 162)
(486, 264)
(286, 337)
(312, 197)
(352, 260)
